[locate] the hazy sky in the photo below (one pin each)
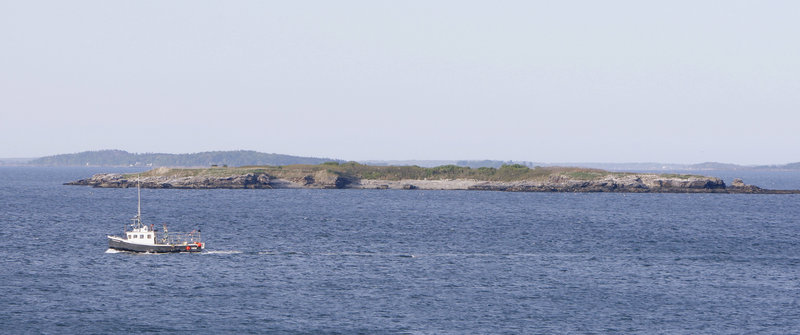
(546, 81)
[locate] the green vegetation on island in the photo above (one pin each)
(353, 170)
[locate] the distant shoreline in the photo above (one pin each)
(120, 158)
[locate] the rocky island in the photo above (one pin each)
(334, 175)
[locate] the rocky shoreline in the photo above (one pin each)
(628, 183)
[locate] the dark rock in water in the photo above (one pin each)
(738, 186)
(342, 182)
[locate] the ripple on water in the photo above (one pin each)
(350, 261)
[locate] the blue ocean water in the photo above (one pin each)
(383, 261)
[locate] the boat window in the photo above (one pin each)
(129, 235)
(148, 236)
(141, 236)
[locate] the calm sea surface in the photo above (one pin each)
(418, 262)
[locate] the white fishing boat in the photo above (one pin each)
(140, 237)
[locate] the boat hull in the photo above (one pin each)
(122, 245)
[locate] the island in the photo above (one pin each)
(352, 175)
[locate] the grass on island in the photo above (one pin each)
(513, 172)
(360, 171)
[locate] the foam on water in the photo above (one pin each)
(221, 252)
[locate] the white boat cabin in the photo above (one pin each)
(141, 235)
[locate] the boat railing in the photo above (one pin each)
(180, 238)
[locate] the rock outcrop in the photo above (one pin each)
(738, 186)
(630, 183)
(112, 180)
(639, 183)
(162, 178)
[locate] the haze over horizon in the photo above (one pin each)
(619, 81)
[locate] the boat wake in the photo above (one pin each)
(112, 251)
(344, 254)
(221, 252)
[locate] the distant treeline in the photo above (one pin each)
(722, 166)
(244, 157)
(635, 166)
(219, 158)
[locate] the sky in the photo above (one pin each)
(544, 81)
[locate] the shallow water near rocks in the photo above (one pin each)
(383, 261)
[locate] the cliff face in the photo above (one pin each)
(113, 180)
(644, 183)
(320, 179)
(628, 183)
(635, 183)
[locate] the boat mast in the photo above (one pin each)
(137, 220)
(139, 190)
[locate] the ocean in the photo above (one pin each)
(400, 262)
